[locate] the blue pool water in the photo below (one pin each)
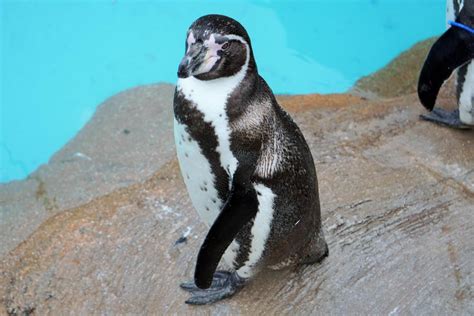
(60, 59)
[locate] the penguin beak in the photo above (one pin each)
(185, 67)
(453, 49)
(199, 59)
(191, 61)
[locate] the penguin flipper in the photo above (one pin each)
(453, 49)
(239, 209)
(446, 118)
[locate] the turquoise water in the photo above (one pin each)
(60, 59)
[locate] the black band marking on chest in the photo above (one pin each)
(204, 134)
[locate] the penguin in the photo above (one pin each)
(247, 167)
(453, 50)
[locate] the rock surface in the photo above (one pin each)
(99, 236)
(126, 141)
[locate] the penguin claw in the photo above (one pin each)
(224, 285)
(188, 286)
(446, 118)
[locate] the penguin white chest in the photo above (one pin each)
(210, 98)
(197, 174)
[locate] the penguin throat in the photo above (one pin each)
(209, 92)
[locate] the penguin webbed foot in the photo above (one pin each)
(445, 118)
(224, 284)
(217, 281)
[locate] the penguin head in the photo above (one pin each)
(216, 46)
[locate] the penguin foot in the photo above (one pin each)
(224, 285)
(446, 118)
(220, 277)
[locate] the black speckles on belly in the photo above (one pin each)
(186, 155)
(214, 201)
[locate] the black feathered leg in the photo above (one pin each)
(445, 118)
(224, 285)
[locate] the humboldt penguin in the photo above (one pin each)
(453, 50)
(247, 167)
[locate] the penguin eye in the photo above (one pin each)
(225, 46)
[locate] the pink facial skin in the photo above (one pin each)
(206, 54)
(212, 55)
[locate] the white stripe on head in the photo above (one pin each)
(212, 52)
(190, 40)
